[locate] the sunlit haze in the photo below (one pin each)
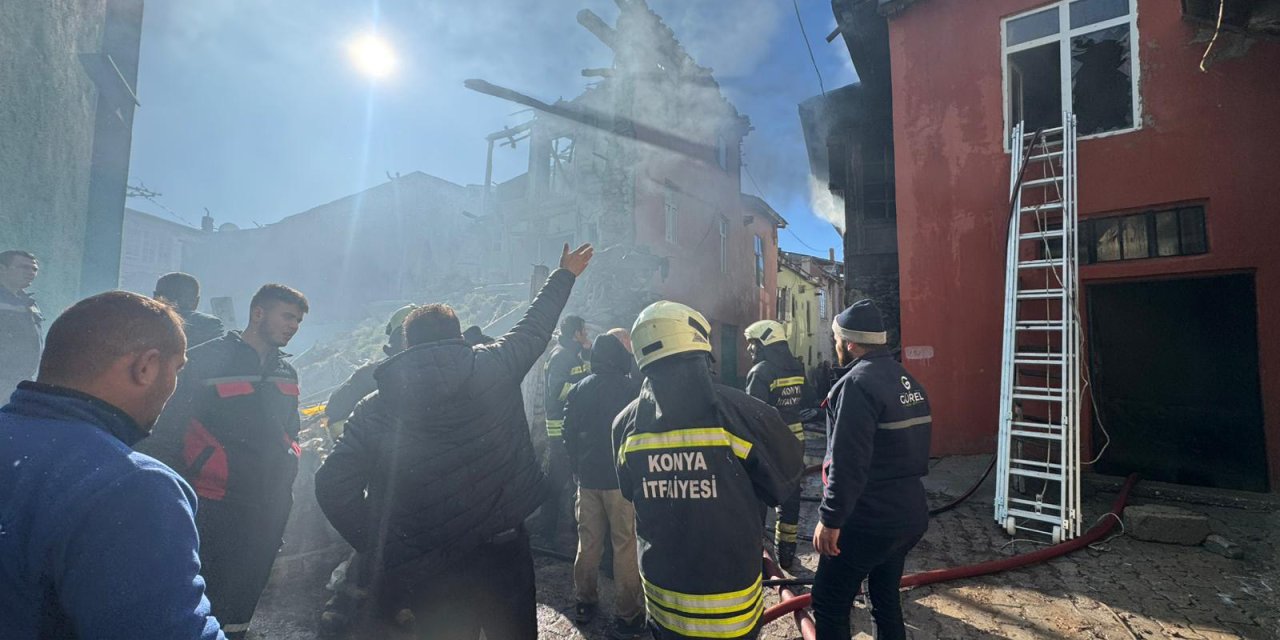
(372, 56)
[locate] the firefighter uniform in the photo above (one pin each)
(697, 459)
(878, 429)
(565, 368)
(778, 379)
(231, 430)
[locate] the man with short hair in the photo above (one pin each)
(20, 320)
(697, 459)
(182, 290)
(606, 520)
(232, 431)
(873, 508)
(567, 365)
(98, 541)
(436, 473)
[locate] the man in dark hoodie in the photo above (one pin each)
(436, 473)
(182, 290)
(778, 379)
(604, 516)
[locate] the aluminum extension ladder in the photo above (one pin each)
(1038, 455)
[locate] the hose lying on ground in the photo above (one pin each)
(804, 622)
(1098, 532)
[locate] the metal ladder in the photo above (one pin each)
(1038, 455)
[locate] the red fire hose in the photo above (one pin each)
(1099, 531)
(808, 631)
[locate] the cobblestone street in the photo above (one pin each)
(1122, 588)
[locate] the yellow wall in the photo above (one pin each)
(807, 333)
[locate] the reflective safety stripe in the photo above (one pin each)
(797, 429)
(784, 532)
(686, 439)
(564, 391)
(693, 615)
(581, 369)
(555, 428)
(213, 382)
(786, 382)
(904, 424)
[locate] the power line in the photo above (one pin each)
(812, 59)
(141, 191)
(752, 178)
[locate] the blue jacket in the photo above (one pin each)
(96, 540)
(878, 428)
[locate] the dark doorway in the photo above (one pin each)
(1175, 376)
(729, 355)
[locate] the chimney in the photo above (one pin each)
(831, 254)
(206, 223)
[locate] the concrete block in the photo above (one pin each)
(1223, 547)
(1170, 525)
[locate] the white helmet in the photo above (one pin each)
(766, 331)
(666, 328)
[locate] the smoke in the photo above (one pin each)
(825, 204)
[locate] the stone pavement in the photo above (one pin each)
(1121, 588)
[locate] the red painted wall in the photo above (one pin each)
(1211, 137)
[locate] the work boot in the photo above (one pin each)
(786, 554)
(628, 629)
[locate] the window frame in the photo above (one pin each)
(670, 215)
(1063, 39)
(724, 244)
(759, 261)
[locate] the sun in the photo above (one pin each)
(372, 56)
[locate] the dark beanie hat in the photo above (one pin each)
(861, 323)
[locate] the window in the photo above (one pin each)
(784, 304)
(878, 201)
(724, 245)
(1160, 233)
(822, 304)
(671, 213)
(759, 262)
(559, 178)
(1074, 56)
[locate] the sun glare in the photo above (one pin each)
(372, 56)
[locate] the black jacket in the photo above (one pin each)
(231, 427)
(565, 368)
(20, 333)
(590, 409)
(200, 327)
(343, 400)
(439, 460)
(697, 459)
(778, 379)
(878, 428)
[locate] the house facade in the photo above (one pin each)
(152, 247)
(810, 294)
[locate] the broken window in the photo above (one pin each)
(759, 262)
(1081, 49)
(1151, 234)
(560, 178)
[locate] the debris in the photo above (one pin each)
(1169, 525)
(1223, 547)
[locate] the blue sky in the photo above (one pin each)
(254, 110)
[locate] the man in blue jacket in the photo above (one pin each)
(98, 541)
(873, 504)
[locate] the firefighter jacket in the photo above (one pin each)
(697, 459)
(778, 379)
(878, 428)
(565, 368)
(200, 327)
(232, 425)
(590, 409)
(439, 460)
(20, 333)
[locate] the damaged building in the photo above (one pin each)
(1178, 150)
(645, 165)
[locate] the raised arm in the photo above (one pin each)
(521, 347)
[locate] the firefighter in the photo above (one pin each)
(697, 459)
(361, 383)
(182, 290)
(436, 473)
(777, 378)
(567, 365)
(873, 508)
(231, 430)
(20, 320)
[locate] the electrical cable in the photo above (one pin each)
(812, 59)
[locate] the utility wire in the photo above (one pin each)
(140, 190)
(760, 193)
(796, 5)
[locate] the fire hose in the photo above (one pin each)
(1098, 532)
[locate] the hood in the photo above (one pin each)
(682, 389)
(779, 355)
(609, 356)
(426, 382)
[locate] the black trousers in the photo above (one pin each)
(492, 591)
(238, 545)
(559, 486)
(880, 560)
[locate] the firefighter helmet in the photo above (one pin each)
(666, 328)
(397, 318)
(766, 331)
